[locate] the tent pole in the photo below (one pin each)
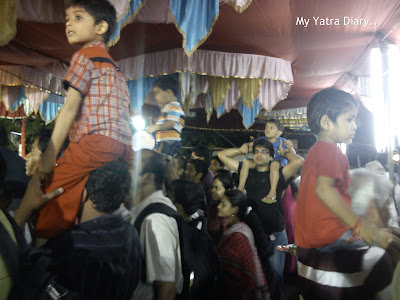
(23, 137)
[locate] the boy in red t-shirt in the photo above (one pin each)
(324, 219)
(95, 115)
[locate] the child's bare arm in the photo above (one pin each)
(368, 232)
(157, 127)
(244, 173)
(327, 193)
(64, 121)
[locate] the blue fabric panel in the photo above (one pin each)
(194, 18)
(20, 99)
(50, 107)
(220, 110)
(249, 114)
(134, 6)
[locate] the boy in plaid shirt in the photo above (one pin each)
(95, 115)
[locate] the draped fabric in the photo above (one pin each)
(8, 20)
(239, 5)
(194, 20)
(249, 89)
(241, 268)
(218, 88)
(126, 17)
(213, 80)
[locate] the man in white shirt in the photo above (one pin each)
(159, 236)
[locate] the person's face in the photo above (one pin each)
(217, 190)
(261, 156)
(225, 208)
(32, 158)
(214, 165)
(272, 131)
(344, 129)
(191, 172)
(162, 97)
(80, 27)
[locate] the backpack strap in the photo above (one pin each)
(157, 208)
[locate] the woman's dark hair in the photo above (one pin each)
(225, 177)
(239, 199)
(189, 194)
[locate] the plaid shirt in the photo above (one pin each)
(105, 106)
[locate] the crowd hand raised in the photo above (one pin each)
(33, 165)
(244, 148)
(34, 197)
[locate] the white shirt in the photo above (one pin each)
(159, 240)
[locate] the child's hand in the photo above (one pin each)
(32, 164)
(152, 128)
(244, 149)
(289, 144)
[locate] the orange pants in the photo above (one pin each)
(72, 172)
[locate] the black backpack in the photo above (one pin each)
(200, 261)
(28, 268)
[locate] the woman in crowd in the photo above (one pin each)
(241, 267)
(222, 182)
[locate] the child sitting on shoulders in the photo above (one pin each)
(170, 123)
(95, 116)
(273, 132)
(324, 219)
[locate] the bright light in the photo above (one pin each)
(343, 147)
(396, 157)
(394, 93)
(138, 122)
(380, 122)
(386, 121)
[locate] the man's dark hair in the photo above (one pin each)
(331, 102)
(100, 10)
(204, 152)
(266, 144)
(200, 166)
(189, 194)
(218, 160)
(277, 123)
(167, 82)
(108, 186)
(155, 164)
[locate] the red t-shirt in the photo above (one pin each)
(315, 225)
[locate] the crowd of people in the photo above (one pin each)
(100, 221)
